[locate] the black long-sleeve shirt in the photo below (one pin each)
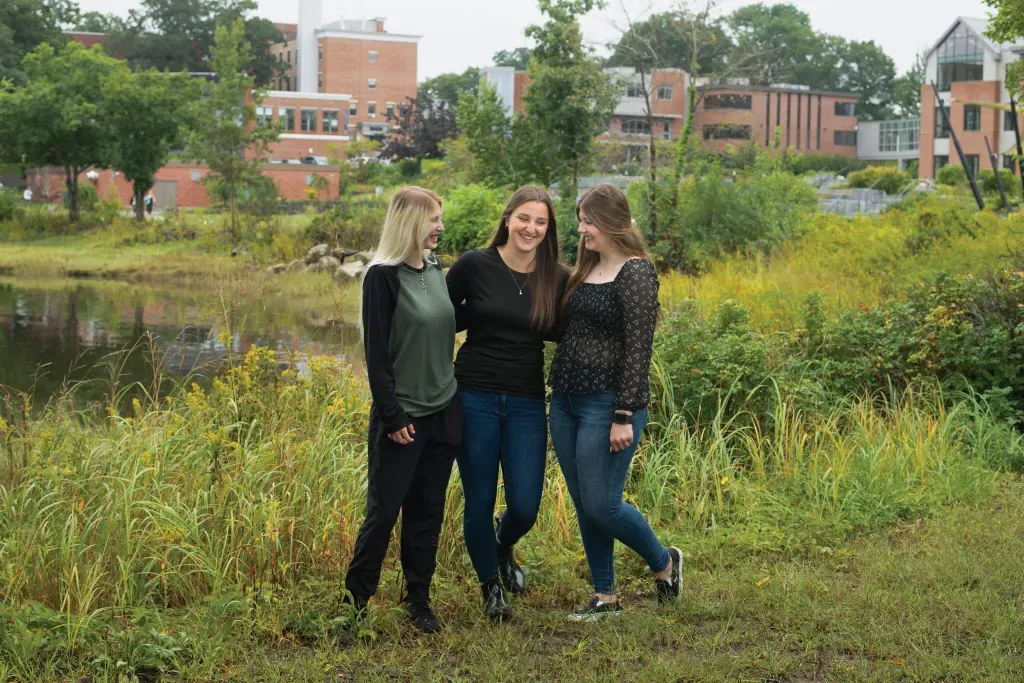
(609, 332)
(503, 352)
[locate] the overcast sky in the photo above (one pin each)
(462, 33)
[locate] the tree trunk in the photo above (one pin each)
(231, 208)
(140, 202)
(71, 183)
(684, 141)
(652, 160)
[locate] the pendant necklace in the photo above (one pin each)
(422, 283)
(512, 275)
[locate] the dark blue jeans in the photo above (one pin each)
(510, 431)
(596, 476)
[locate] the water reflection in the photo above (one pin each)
(97, 336)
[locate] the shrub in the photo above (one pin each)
(952, 174)
(471, 215)
(36, 222)
(353, 225)
(87, 197)
(799, 164)
(9, 204)
(884, 178)
(409, 168)
(987, 181)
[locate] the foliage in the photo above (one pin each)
(987, 181)
(57, 118)
(506, 151)
(471, 215)
(827, 163)
(952, 174)
(1006, 25)
(226, 137)
(906, 89)
(671, 36)
(352, 225)
(885, 178)
(518, 58)
(26, 24)
(10, 204)
(447, 88)
(419, 126)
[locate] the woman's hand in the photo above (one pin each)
(621, 437)
(404, 436)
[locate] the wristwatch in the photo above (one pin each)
(621, 418)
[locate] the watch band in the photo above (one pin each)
(622, 418)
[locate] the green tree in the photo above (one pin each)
(446, 88)
(225, 136)
(777, 42)
(419, 126)
(1006, 24)
(146, 111)
(862, 68)
(100, 22)
(57, 119)
(24, 24)
(670, 36)
(570, 97)
(518, 58)
(906, 89)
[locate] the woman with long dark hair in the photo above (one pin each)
(408, 325)
(508, 297)
(601, 388)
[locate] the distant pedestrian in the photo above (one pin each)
(149, 202)
(415, 430)
(28, 194)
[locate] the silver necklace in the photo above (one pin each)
(512, 275)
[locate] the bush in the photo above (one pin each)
(885, 178)
(800, 164)
(952, 174)
(36, 222)
(10, 205)
(987, 181)
(353, 225)
(471, 216)
(409, 169)
(87, 197)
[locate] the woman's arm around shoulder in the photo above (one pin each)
(460, 281)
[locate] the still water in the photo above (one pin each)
(94, 336)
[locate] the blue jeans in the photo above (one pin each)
(510, 431)
(596, 476)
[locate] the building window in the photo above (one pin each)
(288, 56)
(196, 176)
(899, 136)
(353, 107)
(664, 92)
(280, 85)
(308, 121)
(264, 115)
(726, 131)
(941, 129)
(319, 80)
(1007, 120)
(667, 132)
(286, 115)
(846, 108)
(389, 109)
(634, 91)
(373, 56)
(635, 127)
(1010, 163)
(972, 117)
(288, 83)
(373, 84)
(845, 138)
(330, 118)
(320, 51)
(940, 161)
(972, 161)
(728, 102)
(961, 57)
(371, 109)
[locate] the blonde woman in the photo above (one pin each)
(408, 325)
(601, 388)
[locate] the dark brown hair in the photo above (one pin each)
(546, 269)
(608, 209)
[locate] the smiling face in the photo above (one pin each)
(527, 225)
(593, 238)
(436, 228)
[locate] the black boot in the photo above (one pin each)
(513, 580)
(495, 602)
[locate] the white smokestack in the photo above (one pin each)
(308, 65)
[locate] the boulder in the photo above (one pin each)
(316, 253)
(328, 263)
(342, 254)
(295, 265)
(365, 256)
(352, 270)
(277, 269)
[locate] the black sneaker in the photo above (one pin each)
(597, 609)
(423, 618)
(669, 589)
(511, 574)
(495, 602)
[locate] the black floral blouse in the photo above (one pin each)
(608, 335)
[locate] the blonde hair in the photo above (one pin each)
(608, 209)
(406, 226)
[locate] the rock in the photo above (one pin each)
(277, 269)
(316, 253)
(342, 254)
(295, 265)
(352, 270)
(365, 256)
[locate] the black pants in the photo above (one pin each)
(413, 479)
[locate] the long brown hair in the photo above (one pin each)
(546, 268)
(608, 209)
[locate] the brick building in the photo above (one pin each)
(968, 70)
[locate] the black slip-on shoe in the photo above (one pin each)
(423, 618)
(496, 605)
(671, 588)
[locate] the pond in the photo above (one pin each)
(102, 337)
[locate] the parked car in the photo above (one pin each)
(319, 161)
(273, 160)
(292, 161)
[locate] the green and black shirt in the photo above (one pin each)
(408, 341)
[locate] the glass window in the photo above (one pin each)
(940, 161)
(972, 117)
(667, 132)
(353, 107)
(728, 102)
(845, 138)
(941, 130)
(330, 120)
(373, 84)
(726, 131)
(972, 161)
(371, 109)
(1010, 162)
(320, 80)
(286, 115)
(309, 120)
(664, 92)
(196, 176)
(289, 57)
(636, 127)
(320, 51)
(1007, 120)
(899, 136)
(389, 109)
(264, 115)
(634, 91)
(373, 56)
(846, 108)
(960, 58)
